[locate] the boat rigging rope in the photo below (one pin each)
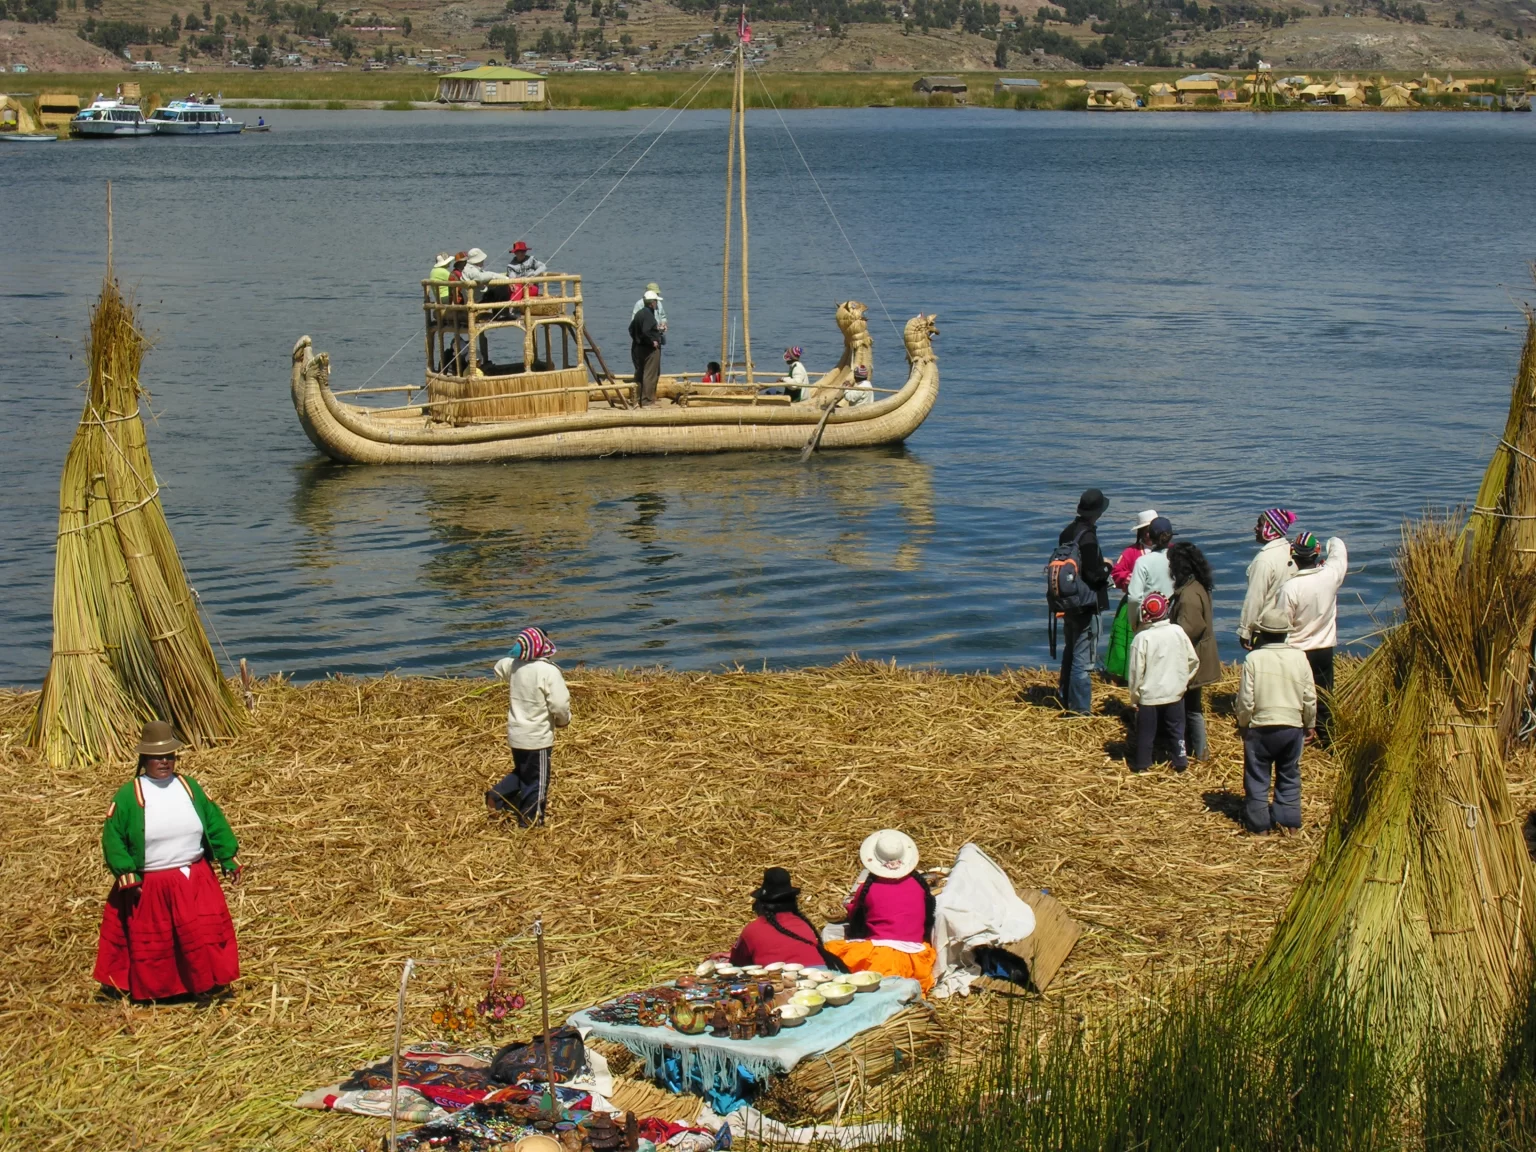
(817, 185)
(697, 89)
(690, 92)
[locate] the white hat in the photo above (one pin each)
(1144, 519)
(1274, 619)
(652, 296)
(442, 260)
(476, 256)
(888, 854)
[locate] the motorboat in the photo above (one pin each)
(193, 118)
(111, 118)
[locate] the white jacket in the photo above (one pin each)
(1276, 689)
(538, 702)
(1271, 568)
(1150, 575)
(1311, 600)
(1162, 661)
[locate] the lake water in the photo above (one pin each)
(1203, 314)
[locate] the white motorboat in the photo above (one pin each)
(111, 118)
(190, 118)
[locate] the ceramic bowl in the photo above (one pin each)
(808, 985)
(863, 981)
(727, 970)
(812, 1002)
(792, 968)
(776, 966)
(705, 969)
(754, 970)
(538, 1142)
(836, 993)
(792, 1015)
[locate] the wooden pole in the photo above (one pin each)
(725, 268)
(549, 1060)
(741, 136)
(394, 1059)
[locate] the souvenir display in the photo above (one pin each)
(500, 999)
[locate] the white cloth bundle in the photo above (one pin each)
(978, 907)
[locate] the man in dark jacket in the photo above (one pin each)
(1080, 626)
(645, 341)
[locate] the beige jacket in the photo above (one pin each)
(1276, 689)
(1161, 663)
(1271, 568)
(538, 702)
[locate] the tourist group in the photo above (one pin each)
(1162, 644)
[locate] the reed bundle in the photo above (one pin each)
(127, 645)
(1422, 897)
(358, 808)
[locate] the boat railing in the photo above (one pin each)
(457, 321)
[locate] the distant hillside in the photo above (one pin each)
(800, 35)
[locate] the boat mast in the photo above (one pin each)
(736, 155)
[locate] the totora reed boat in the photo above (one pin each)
(513, 374)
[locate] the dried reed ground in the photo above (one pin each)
(358, 807)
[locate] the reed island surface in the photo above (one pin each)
(358, 807)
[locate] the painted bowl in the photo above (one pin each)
(812, 1002)
(837, 993)
(863, 981)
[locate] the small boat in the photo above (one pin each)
(193, 118)
(28, 137)
(110, 118)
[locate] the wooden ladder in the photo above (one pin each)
(616, 396)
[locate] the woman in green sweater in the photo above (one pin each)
(166, 929)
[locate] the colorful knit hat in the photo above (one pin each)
(1275, 523)
(531, 644)
(1154, 607)
(860, 372)
(1305, 544)
(791, 354)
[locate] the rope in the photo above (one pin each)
(1479, 511)
(1517, 451)
(698, 88)
(114, 516)
(199, 597)
(817, 185)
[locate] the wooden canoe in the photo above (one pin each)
(354, 434)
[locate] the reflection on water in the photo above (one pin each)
(628, 557)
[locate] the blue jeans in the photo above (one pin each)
(1080, 647)
(1272, 752)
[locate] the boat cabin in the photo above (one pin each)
(518, 350)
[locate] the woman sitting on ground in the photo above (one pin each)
(166, 929)
(781, 934)
(890, 915)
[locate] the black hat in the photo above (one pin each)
(776, 886)
(1092, 503)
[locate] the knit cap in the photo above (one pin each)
(1275, 523)
(531, 644)
(792, 353)
(1305, 544)
(1154, 607)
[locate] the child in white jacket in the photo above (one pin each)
(1161, 663)
(538, 702)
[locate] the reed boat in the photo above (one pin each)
(512, 373)
(567, 404)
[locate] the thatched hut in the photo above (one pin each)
(16, 116)
(510, 87)
(1396, 96)
(1162, 96)
(953, 85)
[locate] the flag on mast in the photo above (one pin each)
(743, 29)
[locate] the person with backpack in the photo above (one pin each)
(1162, 663)
(1310, 599)
(1077, 590)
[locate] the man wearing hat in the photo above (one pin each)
(475, 270)
(166, 929)
(1080, 626)
(1268, 570)
(661, 312)
(645, 341)
(523, 263)
(862, 392)
(441, 264)
(1276, 710)
(1310, 601)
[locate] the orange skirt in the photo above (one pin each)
(863, 956)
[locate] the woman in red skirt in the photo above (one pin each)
(166, 929)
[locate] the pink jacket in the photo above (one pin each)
(1121, 572)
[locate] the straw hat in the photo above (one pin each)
(475, 256)
(1144, 519)
(442, 260)
(158, 739)
(654, 287)
(888, 854)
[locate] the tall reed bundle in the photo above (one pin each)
(1423, 894)
(127, 643)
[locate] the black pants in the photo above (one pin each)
(1272, 752)
(647, 363)
(1149, 717)
(525, 789)
(1321, 660)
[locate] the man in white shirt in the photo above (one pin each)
(1310, 600)
(1271, 568)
